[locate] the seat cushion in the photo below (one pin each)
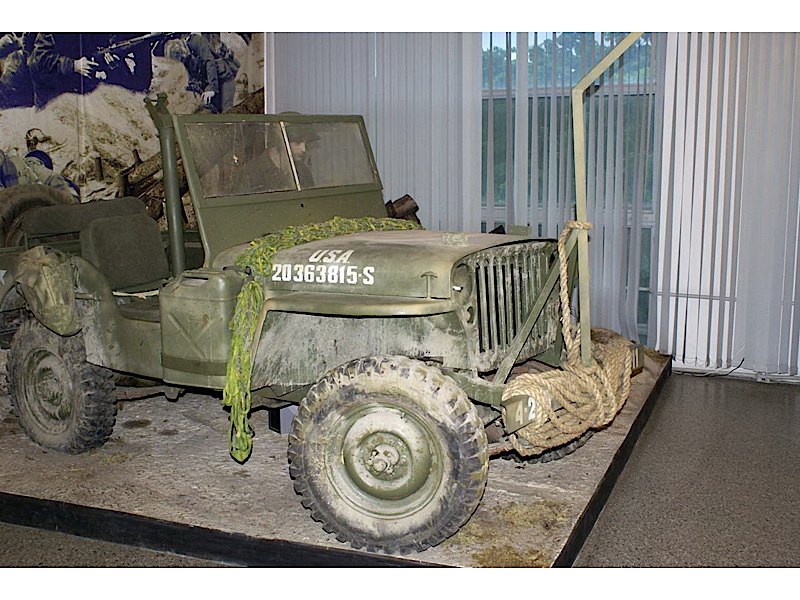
(128, 250)
(71, 218)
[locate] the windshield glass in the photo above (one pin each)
(233, 159)
(329, 154)
(239, 158)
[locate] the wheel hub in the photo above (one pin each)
(383, 459)
(49, 390)
(386, 454)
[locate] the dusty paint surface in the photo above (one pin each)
(169, 460)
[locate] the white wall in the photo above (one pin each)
(420, 96)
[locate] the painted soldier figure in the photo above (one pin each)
(211, 67)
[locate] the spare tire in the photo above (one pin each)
(17, 200)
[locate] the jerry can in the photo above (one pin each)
(196, 310)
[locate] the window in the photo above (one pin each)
(527, 152)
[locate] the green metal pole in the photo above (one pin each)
(169, 163)
(579, 144)
(173, 197)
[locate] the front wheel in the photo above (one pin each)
(389, 454)
(63, 402)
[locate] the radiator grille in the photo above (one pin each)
(506, 282)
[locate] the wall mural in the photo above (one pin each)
(72, 112)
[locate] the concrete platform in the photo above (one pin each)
(165, 481)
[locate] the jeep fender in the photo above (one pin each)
(297, 348)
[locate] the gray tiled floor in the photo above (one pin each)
(714, 480)
(27, 547)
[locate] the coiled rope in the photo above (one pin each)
(577, 398)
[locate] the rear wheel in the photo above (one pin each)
(389, 454)
(63, 402)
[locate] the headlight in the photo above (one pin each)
(461, 282)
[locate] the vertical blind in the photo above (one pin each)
(419, 94)
(693, 164)
(728, 286)
(528, 156)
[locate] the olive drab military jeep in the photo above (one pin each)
(395, 343)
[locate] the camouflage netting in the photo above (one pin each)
(250, 302)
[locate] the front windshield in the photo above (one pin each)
(233, 159)
(329, 154)
(239, 158)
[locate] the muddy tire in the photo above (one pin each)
(389, 454)
(17, 200)
(62, 402)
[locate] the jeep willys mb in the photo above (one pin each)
(396, 342)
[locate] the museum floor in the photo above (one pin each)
(712, 481)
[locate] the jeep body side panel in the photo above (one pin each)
(298, 349)
(122, 344)
(346, 305)
(111, 339)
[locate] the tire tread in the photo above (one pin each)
(458, 412)
(95, 402)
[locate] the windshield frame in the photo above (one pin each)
(193, 178)
(214, 214)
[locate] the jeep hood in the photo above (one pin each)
(415, 264)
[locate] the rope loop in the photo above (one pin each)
(586, 225)
(576, 398)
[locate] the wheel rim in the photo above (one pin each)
(48, 391)
(385, 460)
